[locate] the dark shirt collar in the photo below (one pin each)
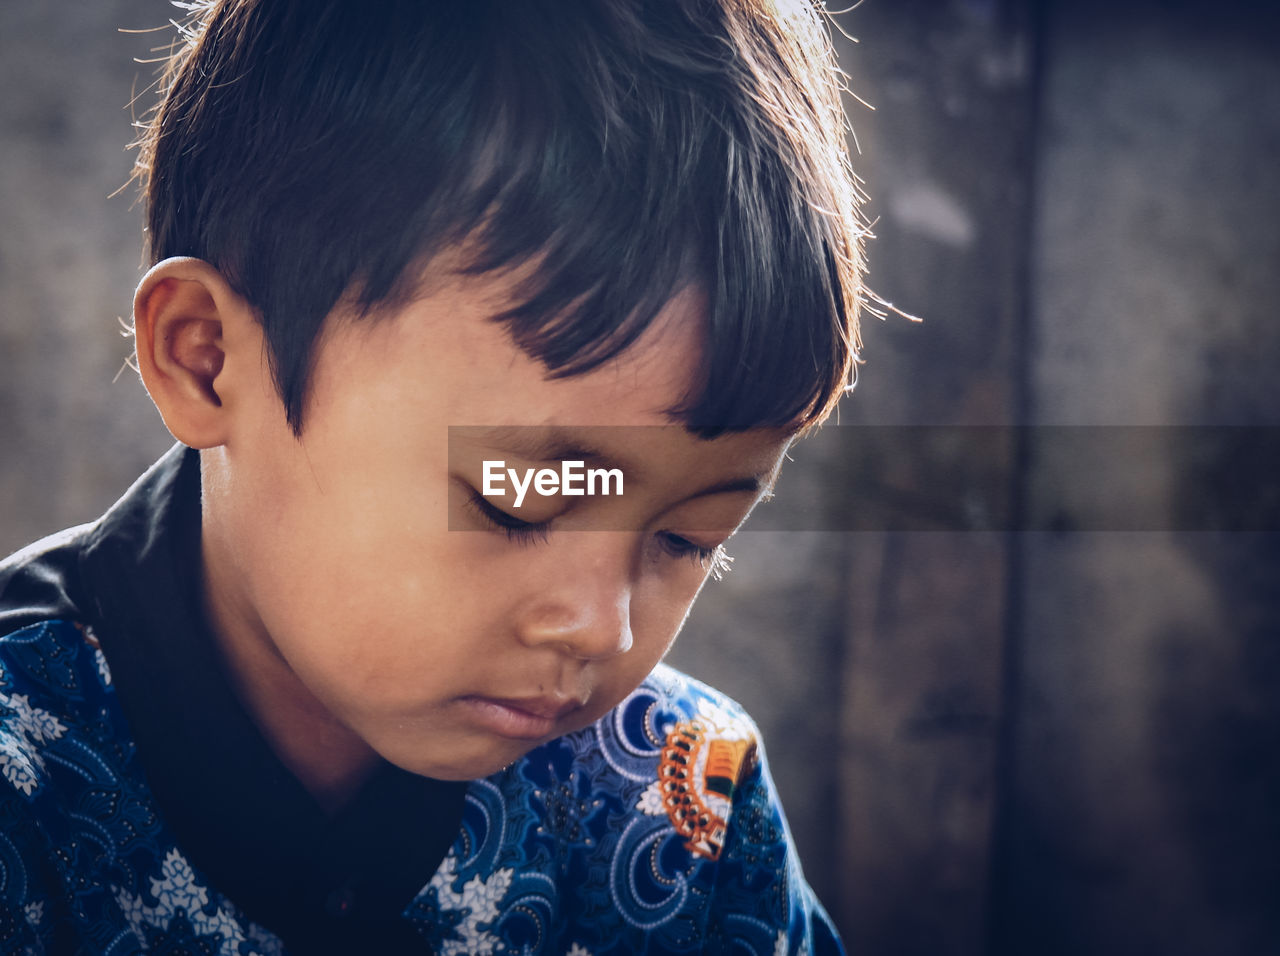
(324, 883)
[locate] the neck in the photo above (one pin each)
(329, 759)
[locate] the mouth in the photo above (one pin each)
(521, 718)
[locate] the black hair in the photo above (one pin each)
(316, 149)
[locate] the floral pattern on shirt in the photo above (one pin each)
(26, 729)
(656, 829)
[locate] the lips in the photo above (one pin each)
(522, 718)
(552, 708)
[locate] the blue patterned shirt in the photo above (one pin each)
(656, 829)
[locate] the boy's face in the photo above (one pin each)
(353, 573)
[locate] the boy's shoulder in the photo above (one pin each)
(39, 582)
(54, 693)
(74, 574)
(643, 831)
(86, 859)
(53, 675)
(692, 746)
(695, 750)
(655, 829)
(681, 748)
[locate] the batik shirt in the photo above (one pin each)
(656, 829)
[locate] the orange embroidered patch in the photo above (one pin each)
(697, 778)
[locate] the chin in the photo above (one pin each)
(457, 767)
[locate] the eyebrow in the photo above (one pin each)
(547, 443)
(561, 443)
(749, 483)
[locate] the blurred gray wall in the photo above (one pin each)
(988, 742)
(75, 430)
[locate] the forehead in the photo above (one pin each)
(444, 354)
(391, 391)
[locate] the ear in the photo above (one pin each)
(190, 329)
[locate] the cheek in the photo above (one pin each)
(658, 610)
(365, 593)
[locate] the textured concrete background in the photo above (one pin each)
(1144, 767)
(69, 257)
(995, 743)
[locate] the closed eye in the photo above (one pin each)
(524, 532)
(715, 559)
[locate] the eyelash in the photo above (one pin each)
(522, 532)
(716, 560)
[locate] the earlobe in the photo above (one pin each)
(182, 313)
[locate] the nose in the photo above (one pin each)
(585, 609)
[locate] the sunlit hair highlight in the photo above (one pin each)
(316, 149)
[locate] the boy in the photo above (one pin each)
(276, 700)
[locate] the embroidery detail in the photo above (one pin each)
(697, 777)
(565, 811)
